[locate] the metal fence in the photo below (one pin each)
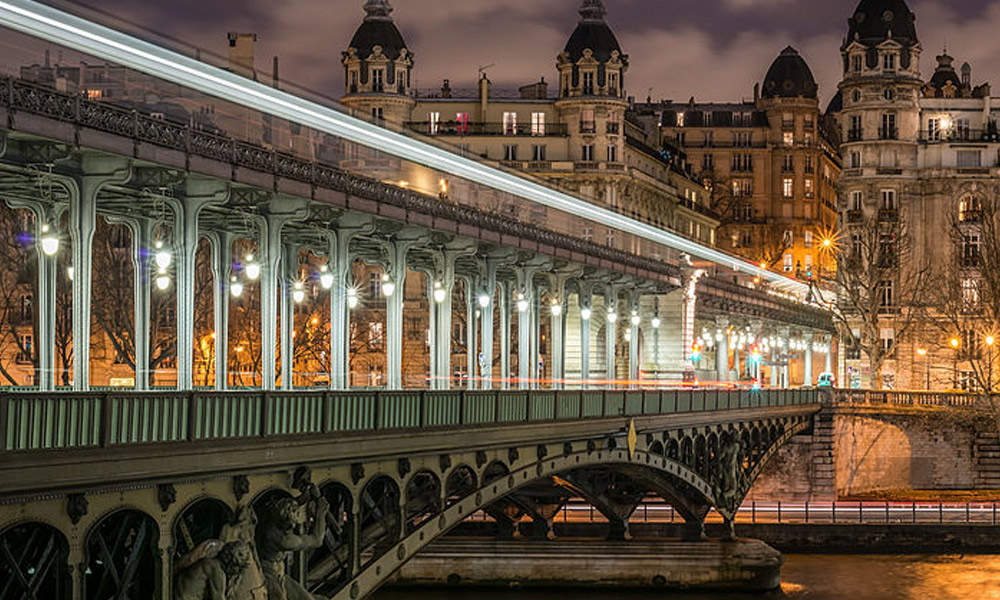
(813, 513)
(42, 421)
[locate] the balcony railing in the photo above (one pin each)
(958, 135)
(613, 128)
(855, 216)
(487, 128)
(854, 135)
(888, 215)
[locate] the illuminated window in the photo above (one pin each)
(810, 190)
(588, 124)
(510, 123)
(787, 263)
(789, 138)
(94, 94)
(463, 122)
(808, 239)
(434, 119)
(788, 188)
(537, 123)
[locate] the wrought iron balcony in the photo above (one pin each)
(464, 128)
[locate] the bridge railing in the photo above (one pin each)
(904, 398)
(52, 421)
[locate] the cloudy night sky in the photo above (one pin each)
(712, 49)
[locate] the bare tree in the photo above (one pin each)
(881, 283)
(966, 294)
(772, 245)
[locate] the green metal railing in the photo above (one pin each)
(31, 421)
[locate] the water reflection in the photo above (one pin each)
(812, 577)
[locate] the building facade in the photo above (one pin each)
(921, 152)
(772, 166)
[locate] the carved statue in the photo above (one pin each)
(729, 474)
(223, 569)
(215, 577)
(279, 535)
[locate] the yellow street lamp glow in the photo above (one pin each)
(922, 351)
(522, 303)
(990, 340)
(954, 342)
(484, 300)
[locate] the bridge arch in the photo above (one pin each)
(197, 522)
(122, 556)
(34, 562)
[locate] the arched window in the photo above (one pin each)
(969, 209)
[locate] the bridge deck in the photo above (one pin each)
(65, 441)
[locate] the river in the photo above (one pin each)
(806, 577)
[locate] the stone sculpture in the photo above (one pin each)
(278, 535)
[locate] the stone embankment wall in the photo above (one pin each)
(868, 450)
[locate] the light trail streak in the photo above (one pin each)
(91, 38)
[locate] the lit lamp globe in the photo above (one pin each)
(388, 287)
(612, 317)
(440, 294)
(236, 288)
(252, 268)
(522, 303)
(162, 257)
(298, 293)
(325, 277)
(352, 298)
(49, 241)
(162, 281)
(484, 300)
(635, 319)
(556, 309)
(585, 314)
(656, 322)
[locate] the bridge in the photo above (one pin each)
(317, 225)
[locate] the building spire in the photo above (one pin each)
(378, 10)
(592, 11)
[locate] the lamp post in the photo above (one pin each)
(954, 363)
(927, 370)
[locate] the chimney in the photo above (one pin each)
(241, 54)
(446, 89)
(47, 58)
(967, 75)
(274, 74)
(484, 96)
(756, 92)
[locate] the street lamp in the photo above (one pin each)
(352, 298)
(484, 300)
(325, 277)
(235, 287)
(612, 316)
(522, 303)
(556, 308)
(656, 322)
(388, 287)
(252, 268)
(635, 318)
(49, 241)
(162, 280)
(163, 257)
(585, 313)
(440, 294)
(298, 292)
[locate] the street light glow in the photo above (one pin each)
(298, 293)
(162, 257)
(484, 300)
(352, 298)
(612, 317)
(388, 287)
(49, 241)
(325, 277)
(585, 313)
(656, 322)
(440, 294)
(556, 309)
(236, 288)
(252, 268)
(990, 340)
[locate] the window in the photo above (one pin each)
(789, 138)
(510, 151)
(26, 351)
(462, 119)
(510, 123)
(434, 119)
(887, 249)
(375, 334)
(538, 152)
(887, 339)
(808, 139)
(414, 330)
(889, 61)
(588, 83)
(971, 296)
(788, 164)
(788, 120)
(537, 123)
(809, 264)
(708, 162)
(613, 153)
(970, 158)
(970, 343)
(743, 188)
(967, 381)
(886, 296)
(856, 63)
(587, 153)
(788, 188)
(611, 238)
(963, 130)
(587, 232)
(970, 250)
(587, 121)
(888, 200)
(857, 200)
(889, 94)
(788, 238)
(855, 160)
(742, 163)
(612, 84)
(809, 167)
(969, 209)
(26, 311)
(378, 115)
(378, 80)
(888, 130)
(743, 139)
(855, 132)
(856, 245)
(810, 188)
(709, 138)
(374, 286)
(808, 241)
(787, 265)
(934, 130)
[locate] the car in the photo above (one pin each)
(826, 380)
